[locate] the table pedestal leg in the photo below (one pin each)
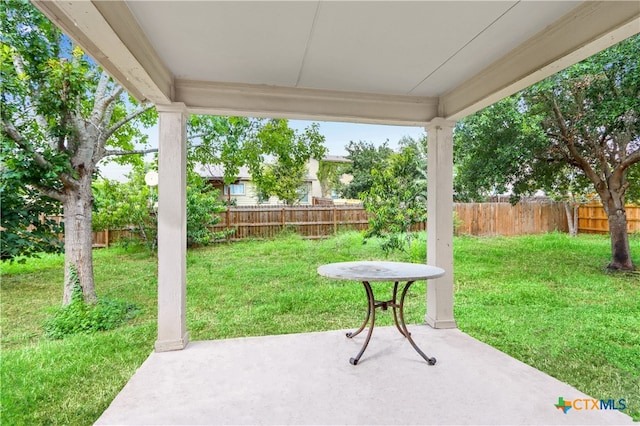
(351, 334)
(398, 317)
(395, 307)
(430, 361)
(371, 313)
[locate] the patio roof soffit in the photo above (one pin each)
(110, 33)
(585, 31)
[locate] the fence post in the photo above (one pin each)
(282, 218)
(335, 220)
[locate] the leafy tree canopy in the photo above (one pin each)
(571, 134)
(364, 158)
(275, 154)
(397, 197)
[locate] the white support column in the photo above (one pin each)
(440, 222)
(172, 228)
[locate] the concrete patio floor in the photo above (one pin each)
(304, 379)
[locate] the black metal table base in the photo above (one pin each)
(398, 317)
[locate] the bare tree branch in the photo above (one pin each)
(18, 65)
(49, 192)
(15, 135)
(583, 164)
(99, 96)
(115, 94)
(110, 131)
(109, 107)
(631, 159)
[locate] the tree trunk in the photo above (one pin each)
(573, 229)
(620, 250)
(78, 240)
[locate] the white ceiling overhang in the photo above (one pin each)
(389, 62)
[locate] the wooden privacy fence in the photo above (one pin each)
(488, 219)
(321, 221)
(480, 219)
(309, 221)
(592, 219)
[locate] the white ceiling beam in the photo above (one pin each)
(110, 33)
(583, 32)
(304, 104)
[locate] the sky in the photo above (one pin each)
(337, 136)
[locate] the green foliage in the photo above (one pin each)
(497, 150)
(203, 208)
(329, 173)
(364, 158)
(285, 176)
(590, 114)
(397, 198)
(275, 154)
(567, 135)
(27, 229)
(81, 317)
(132, 205)
(229, 142)
(633, 176)
(287, 182)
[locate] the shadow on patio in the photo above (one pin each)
(307, 379)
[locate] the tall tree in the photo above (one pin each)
(284, 177)
(275, 154)
(584, 118)
(590, 115)
(504, 149)
(364, 158)
(61, 115)
(226, 142)
(397, 198)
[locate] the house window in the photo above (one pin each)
(234, 189)
(303, 194)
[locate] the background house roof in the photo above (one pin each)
(335, 159)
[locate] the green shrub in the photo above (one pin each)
(80, 317)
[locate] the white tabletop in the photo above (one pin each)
(380, 271)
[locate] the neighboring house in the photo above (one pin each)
(243, 192)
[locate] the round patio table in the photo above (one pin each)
(371, 271)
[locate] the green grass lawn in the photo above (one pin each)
(546, 300)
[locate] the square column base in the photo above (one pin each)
(172, 345)
(434, 323)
